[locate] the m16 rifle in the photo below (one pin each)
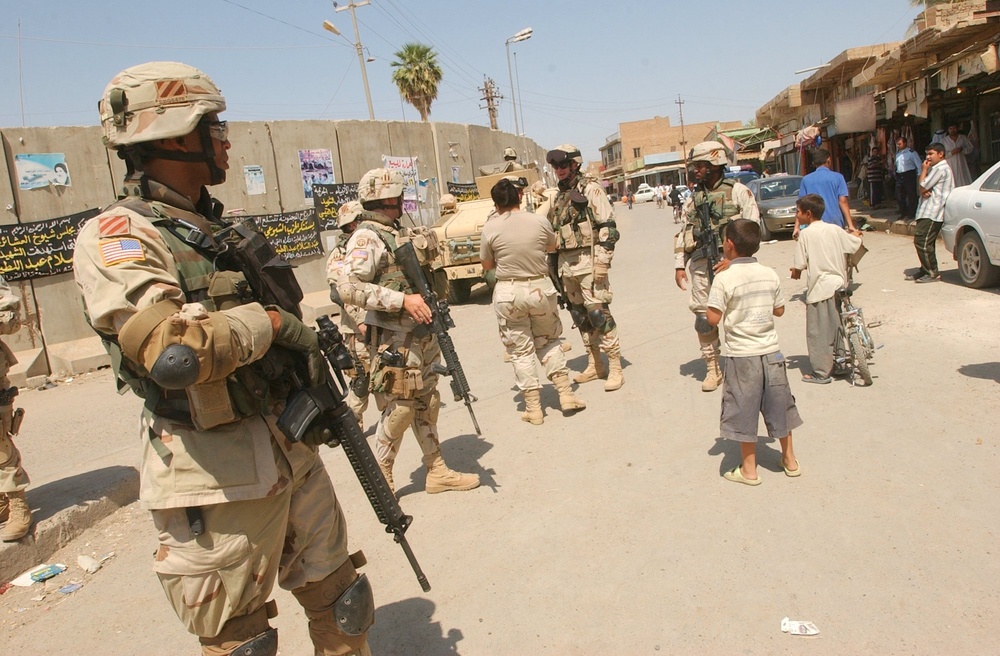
(577, 313)
(316, 410)
(708, 233)
(441, 321)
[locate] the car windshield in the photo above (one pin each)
(779, 188)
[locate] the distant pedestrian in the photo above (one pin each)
(831, 186)
(745, 298)
(908, 165)
(821, 253)
(936, 184)
(876, 177)
(956, 149)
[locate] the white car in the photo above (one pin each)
(644, 193)
(971, 229)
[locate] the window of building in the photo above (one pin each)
(635, 152)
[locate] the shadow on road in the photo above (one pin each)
(984, 370)
(768, 457)
(406, 628)
(693, 369)
(48, 499)
(462, 454)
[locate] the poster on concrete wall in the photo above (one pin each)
(253, 176)
(316, 166)
(327, 199)
(464, 191)
(42, 248)
(408, 167)
(293, 234)
(456, 171)
(41, 170)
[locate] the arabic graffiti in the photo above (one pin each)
(42, 248)
(328, 198)
(293, 234)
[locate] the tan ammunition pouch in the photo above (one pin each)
(402, 382)
(576, 235)
(688, 242)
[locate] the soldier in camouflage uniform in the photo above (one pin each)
(404, 354)
(586, 234)
(515, 244)
(352, 318)
(13, 479)
(237, 505)
(726, 199)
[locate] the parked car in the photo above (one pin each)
(644, 193)
(971, 229)
(743, 176)
(776, 198)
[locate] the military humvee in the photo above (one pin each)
(459, 229)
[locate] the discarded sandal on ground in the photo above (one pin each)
(736, 476)
(791, 472)
(818, 381)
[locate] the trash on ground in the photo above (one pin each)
(88, 564)
(796, 627)
(25, 580)
(107, 556)
(5, 587)
(773, 241)
(70, 588)
(47, 572)
(40, 597)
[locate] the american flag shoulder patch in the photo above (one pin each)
(112, 226)
(116, 251)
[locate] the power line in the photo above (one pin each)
(171, 46)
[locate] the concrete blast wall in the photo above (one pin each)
(55, 338)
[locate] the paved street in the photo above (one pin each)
(613, 532)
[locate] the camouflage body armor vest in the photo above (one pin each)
(573, 224)
(720, 210)
(254, 388)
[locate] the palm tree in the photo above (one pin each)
(417, 75)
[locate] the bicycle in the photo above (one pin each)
(854, 348)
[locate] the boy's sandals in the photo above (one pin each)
(818, 381)
(736, 476)
(791, 472)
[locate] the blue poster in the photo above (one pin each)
(41, 170)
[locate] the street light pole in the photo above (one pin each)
(330, 27)
(523, 35)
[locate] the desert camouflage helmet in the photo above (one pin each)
(448, 202)
(509, 153)
(349, 211)
(709, 151)
(380, 184)
(157, 100)
(564, 152)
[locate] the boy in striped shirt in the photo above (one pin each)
(745, 298)
(935, 184)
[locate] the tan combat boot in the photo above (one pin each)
(615, 377)
(19, 518)
(595, 368)
(441, 479)
(713, 377)
(569, 403)
(4, 508)
(532, 407)
(386, 468)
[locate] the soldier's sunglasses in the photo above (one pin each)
(563, 164)
(218, 130)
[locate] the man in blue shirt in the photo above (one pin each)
(908, 166)
(831, 187)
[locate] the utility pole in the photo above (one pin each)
(361, 55)
(490, 96)
(680, 106)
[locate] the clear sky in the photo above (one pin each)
(588, 66)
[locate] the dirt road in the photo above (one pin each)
(612, 532)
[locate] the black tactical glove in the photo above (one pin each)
(295, 335)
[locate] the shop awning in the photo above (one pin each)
(654, 170)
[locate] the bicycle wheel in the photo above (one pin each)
(858, 356)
